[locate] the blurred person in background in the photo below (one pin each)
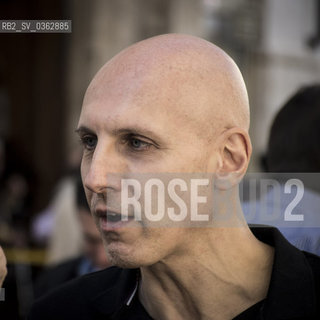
(57, 227)
(16, 185)
(293, 147)
(92, 259)
(3, 267)
(17, 181)
(294, 137)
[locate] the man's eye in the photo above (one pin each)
(89, 142)
(138, 145)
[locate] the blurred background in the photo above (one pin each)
(43, 77)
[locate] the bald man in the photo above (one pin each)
(177, 104)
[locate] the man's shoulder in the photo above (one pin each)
(294, 289)
(313, 260)
(74, 299)
(314, 264)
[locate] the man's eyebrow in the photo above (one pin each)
(136, 131)
(133, 130)
(143, 132)
(83, 129)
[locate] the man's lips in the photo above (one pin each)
(109, 219)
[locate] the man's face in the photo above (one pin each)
(131, 125)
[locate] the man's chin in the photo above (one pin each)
(122, 257)
(127, 260)
(123, 262)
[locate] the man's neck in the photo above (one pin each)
(209, 282)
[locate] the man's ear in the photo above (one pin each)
(235, 152)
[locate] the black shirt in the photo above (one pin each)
(294, 290)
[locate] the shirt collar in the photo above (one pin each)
(119, 297)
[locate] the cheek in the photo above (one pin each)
(189, 160)
(84, 167)
(84, 171)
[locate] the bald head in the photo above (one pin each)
(199, 81)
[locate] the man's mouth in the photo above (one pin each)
(113, 217)
(110, 220)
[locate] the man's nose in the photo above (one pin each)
(103, 171)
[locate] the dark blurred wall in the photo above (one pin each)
(32, 76)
